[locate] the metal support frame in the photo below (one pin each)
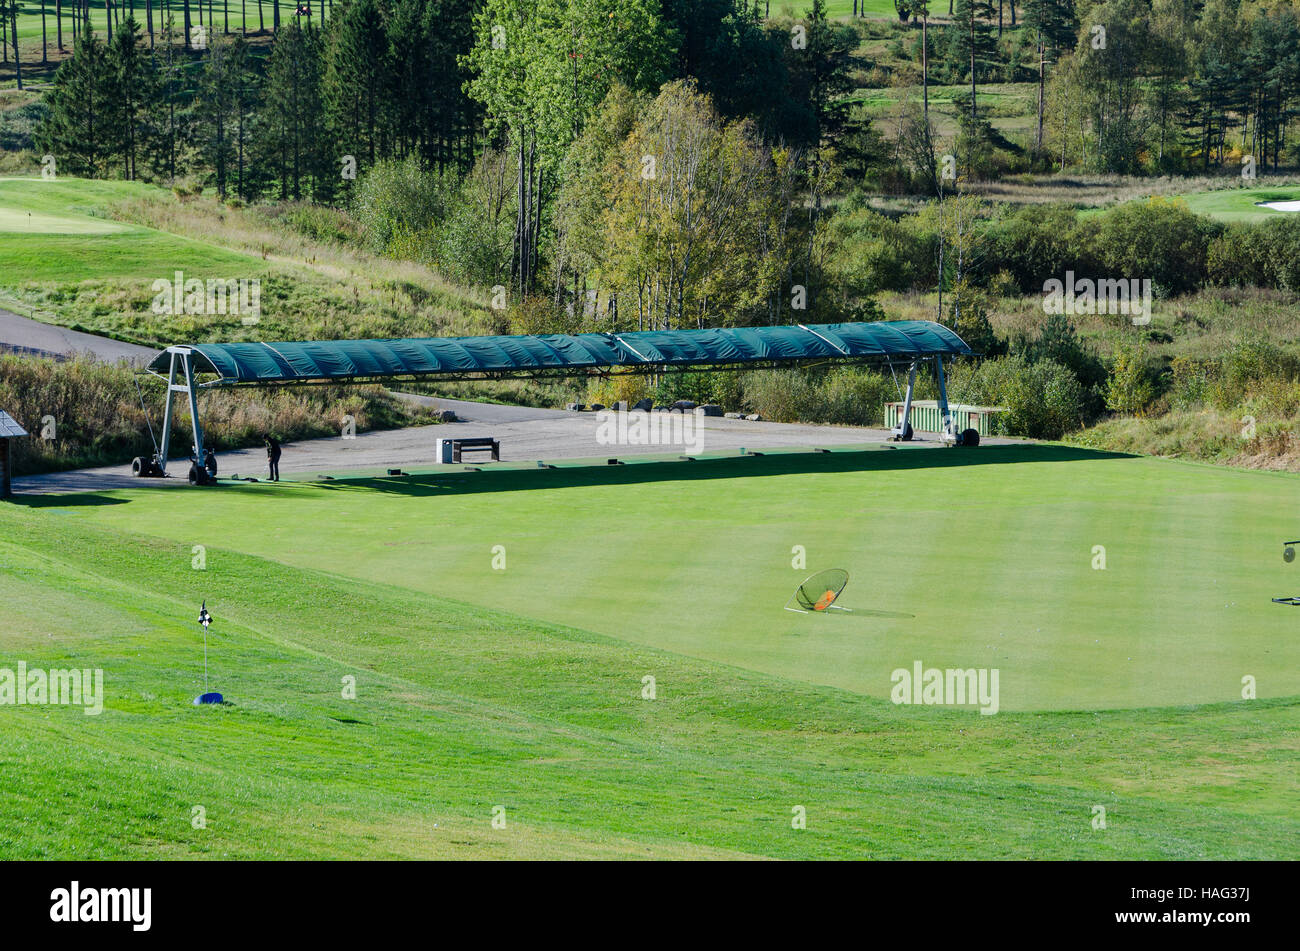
(182, 357)
(901, 428)
(947, 434)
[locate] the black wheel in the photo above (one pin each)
(139, 467)
(196, 475)
(907, 433)
(970, 437)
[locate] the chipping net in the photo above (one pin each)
(819, 592)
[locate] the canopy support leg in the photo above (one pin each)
(907, 402)
(188, 362)
(185, 359)
(167, 418)
(944, 415)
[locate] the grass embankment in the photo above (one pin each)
(86, 254)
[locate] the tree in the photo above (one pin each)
(703, 232)
(1053, 24)
(358, 74)
(11, 10)
(77, 127)
(1111, 65)
(974, 40)
(293, 116)
(1172, 22)
(540, 68)
(215, 107)
(134, 96)
(169, 119)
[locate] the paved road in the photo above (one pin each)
(24, 335)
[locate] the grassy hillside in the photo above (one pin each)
(86, 254)
(462, 707)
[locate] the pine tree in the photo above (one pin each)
(77, 129)
(292, 143)
(214, 111)
(169, 120)
(1053, 24)
(976, 44)
(134, 95)
(358, 72)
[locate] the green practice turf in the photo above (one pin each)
(462, 708)
(956, 559)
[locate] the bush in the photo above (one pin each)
(1033, 243)
(1157, 239)
(1043, 400)
(968, 315)
(320, 223)
(847, 396)
(1260, 255)
(475, 240)
(397, 199)
(609, 390)
(870, 253)
(1246, 366)
(1129, 388)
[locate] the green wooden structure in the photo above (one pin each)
(927, 417)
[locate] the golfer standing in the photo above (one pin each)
(273, 457)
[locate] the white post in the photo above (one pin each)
(907, 401)
(188, 360)
(167, 417)
(945, 417)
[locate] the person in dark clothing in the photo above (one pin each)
(273, 456)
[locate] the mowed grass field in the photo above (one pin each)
(522, 687)
(1242, 204)
(56, 230)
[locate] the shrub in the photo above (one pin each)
(847, 396)
(870, 253)
(1058, 340)
(610, 390)
(399, 198)
(1043, 400)
(1157, 239)
(1260, 255)
(1032, 244)
(1129, 388)
(1247, 364)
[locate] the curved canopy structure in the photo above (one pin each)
(552, 355)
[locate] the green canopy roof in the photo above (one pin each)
(565, 354)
